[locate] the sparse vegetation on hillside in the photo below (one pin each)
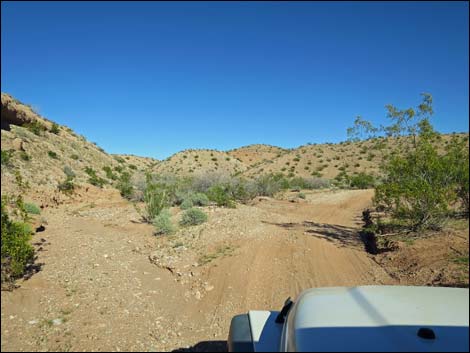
(124, 185)
(94, 179)
(55, 128)
(6, 158)
(36, 127)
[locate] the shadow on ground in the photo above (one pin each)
(337, 234)
(206, 346)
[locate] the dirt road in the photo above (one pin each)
(108, 284)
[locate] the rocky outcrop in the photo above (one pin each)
(14, 113)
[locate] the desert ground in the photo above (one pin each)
(108, 284)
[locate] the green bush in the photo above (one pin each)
(124, 185)
(32, 208)
(457, 165)
(156, 199)
(186, 204)
(192, 217)
(6, 158)
(220, 195)
(55, 128)
(109, 173)
(163, 224)
(132, 166)
(301, 195)
(362, 181)
(52, 154)
(16, 250)
(270, 184)
(74, 156)
(24, 156)
(94, 179)
(36, 127)
(199, 199)
(418, 187)
(67, 186)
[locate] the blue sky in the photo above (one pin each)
(154, 78)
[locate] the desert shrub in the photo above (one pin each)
(186, 204)
(199, 199)
(162, 223)
(132, 166)
(16, 250)
(6, 158)
(69, 172)
(417, 187)
(317, 183)
(93, 178)
(119, 168)
(270, 184)
(203, 182)
(156, 199)
(301, 195)
(192, 217)
(109, 173)
(55, 128)
(36, 127)
(124, 185)
(67, 186)
(74, 156)
(24, 156)
(52, 154)
(32, 208)
(362, 181)
(457, 165)
(220, 195)
(298, 183)
(119, 159)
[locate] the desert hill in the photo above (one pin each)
(43, 153)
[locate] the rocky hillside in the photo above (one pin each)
(190, 162)
(254, 155)
(42, 152)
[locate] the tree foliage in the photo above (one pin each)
(423, 185)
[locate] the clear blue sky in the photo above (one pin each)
(155, 78)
